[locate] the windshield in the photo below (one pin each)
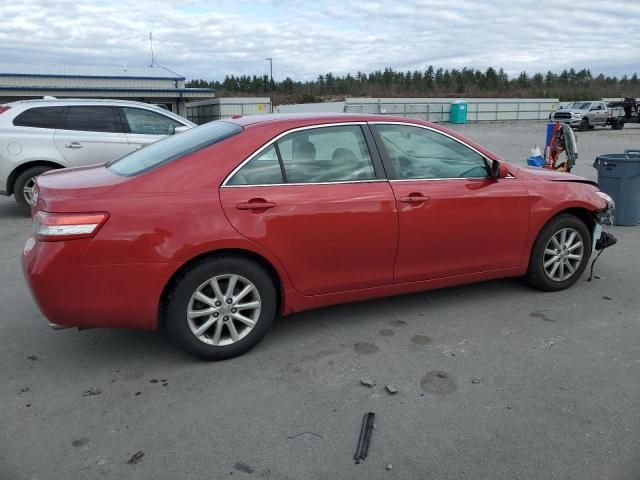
(172, 147)
(578, 106)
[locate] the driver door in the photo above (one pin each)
(454, 219)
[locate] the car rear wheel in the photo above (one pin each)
(23, 188)
(560, 254)
(221, 308)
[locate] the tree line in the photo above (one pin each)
(467, 82)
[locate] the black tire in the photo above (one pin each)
(584, 124)
(615, 124)
(192, 279)
(536, 275)
(621, 123)
(21, 181)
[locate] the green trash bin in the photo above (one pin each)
(458, 112)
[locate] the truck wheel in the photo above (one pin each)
(620, 123)
(584, 124)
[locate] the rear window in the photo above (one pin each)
(173, 147)
(39, 117)
(93, 119)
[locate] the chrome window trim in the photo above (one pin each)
(441, 133)
(341, 182)
(275, 139)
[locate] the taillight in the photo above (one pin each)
(4, 108)
(51, 227)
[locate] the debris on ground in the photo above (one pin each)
(367, 382)
(91, 392)
(305, 433)
(389, 467)
(607, 297)
(243, 467)
(362, 449)
(476, 380)
(24, 390)
(33, 357)
(136, 458)
(391, 389)
(153, 380)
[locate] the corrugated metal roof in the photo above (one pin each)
(98, 71)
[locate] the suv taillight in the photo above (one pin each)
(51, 227)
(4, 108)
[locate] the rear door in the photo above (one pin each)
(143, 126)
(453, 218)
(318, 200)
(91, 134)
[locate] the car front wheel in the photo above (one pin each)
(560, 254)
(221, 307)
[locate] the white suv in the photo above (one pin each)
(40, 135)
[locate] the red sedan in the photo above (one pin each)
(213, 232)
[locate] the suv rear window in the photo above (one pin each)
(93, 119)
(173, 147)
(39, 117)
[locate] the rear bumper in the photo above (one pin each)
(72, 294)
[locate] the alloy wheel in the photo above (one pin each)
(223, 310)
(563, 254)
(27, 191)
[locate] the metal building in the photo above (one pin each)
(156, 85)
(208, 110)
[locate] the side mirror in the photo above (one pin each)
(180, 129)
(499, 170)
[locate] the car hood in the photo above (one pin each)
(77, 182)
(553, 176)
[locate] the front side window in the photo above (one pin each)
(173, 147)
(418, 153)
(92, 119)
(39, 117)
(140, 121)
(317, 155)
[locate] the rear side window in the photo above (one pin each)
(173, 147)
(39, 117)
(318, 155)
(145, 122)
(92, 119)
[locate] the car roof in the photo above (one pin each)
(85, 101)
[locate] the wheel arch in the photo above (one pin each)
(16, 172)
(253, 256)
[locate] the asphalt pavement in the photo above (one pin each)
(495, 380)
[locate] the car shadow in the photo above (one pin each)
(141, 347)
(10, 209)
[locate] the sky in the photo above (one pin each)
(211, 39)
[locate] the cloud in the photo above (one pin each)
(209, 40)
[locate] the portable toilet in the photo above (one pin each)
(458, 112)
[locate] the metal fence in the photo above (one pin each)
(439, 109)
(217, 108)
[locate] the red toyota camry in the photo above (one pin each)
(213, 232)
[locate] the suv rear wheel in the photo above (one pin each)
(23, 187)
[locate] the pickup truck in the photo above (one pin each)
(584, 115)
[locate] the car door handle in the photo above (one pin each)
(255, 204)
(74, 145)
(414, 198)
